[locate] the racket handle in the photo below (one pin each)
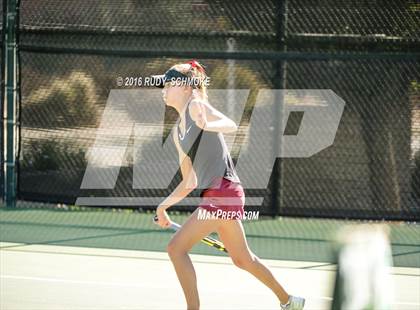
(207, 240)
(174, 226)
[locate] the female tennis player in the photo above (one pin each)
(205, 163)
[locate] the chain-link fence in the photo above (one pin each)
(366, 52)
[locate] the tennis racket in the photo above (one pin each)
(207, 240)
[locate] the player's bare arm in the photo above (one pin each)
(188, 184)
(209, 118)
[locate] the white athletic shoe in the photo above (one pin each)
(294, 303)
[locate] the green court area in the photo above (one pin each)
(295, 239)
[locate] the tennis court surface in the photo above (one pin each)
(70, 259)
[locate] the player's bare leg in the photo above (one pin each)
(191, 232)
(232, 235)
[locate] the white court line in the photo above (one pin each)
(71, 281)
(56, 280)
(198, 258)
(148, 255)
(137, 285)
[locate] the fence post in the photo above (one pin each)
(279, 82)
(10, 102)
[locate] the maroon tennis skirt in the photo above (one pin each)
(224, 199)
